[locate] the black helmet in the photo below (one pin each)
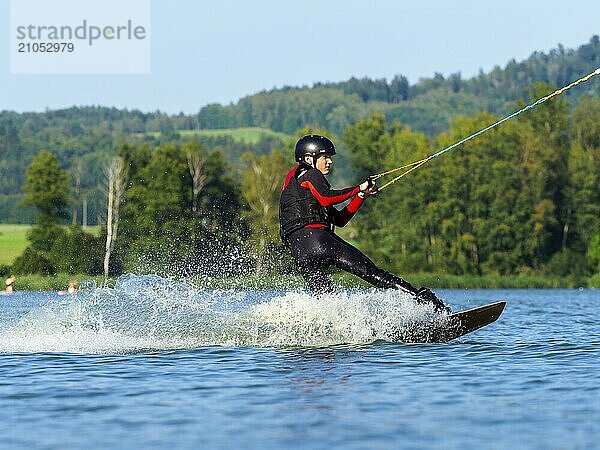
(313, 145)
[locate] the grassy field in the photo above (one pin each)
(13, 240)
(250, 135)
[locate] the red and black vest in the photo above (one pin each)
(298, 207)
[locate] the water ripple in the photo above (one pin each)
(150, 364)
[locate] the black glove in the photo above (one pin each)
(372, 188)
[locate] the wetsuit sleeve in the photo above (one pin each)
(343, 217)
(320, 189)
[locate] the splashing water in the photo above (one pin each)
(150, 312)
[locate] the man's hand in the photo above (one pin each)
(369, 187)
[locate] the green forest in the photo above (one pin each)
(427, 106)
(522, 199)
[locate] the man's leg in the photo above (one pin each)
(350, 259)
(311, 256)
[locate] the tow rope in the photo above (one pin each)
(416, 164)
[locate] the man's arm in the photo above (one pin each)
(342, 217)
(320, 189)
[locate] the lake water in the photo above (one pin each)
(154, 364)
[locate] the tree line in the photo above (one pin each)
(84, 139)
(427, 106)
(178, 208)
(521, 199)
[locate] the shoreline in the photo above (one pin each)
(60, 282)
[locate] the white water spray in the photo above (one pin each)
(144, 313)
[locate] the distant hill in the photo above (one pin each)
(426, 106)
(83, 138)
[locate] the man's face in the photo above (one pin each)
(324, 163)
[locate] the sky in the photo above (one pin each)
(218, 51)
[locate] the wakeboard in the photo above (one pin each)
(444, 329)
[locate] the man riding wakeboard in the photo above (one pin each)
(307, 218)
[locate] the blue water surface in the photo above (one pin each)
(146, 365)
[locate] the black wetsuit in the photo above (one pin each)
(317, 249)
(314, 245)
(307, 219)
